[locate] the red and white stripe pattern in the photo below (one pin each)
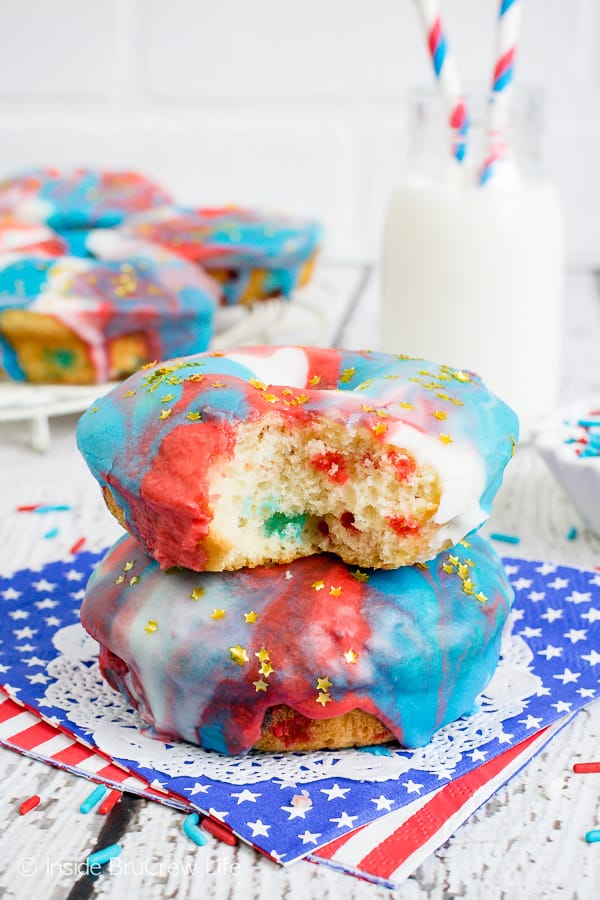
(389, 849)
(23, 730)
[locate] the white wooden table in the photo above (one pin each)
(527, 842)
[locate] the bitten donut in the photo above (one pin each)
(265, 454)
(78, 198)
(253, 255)
(76, 321)
(315, 654)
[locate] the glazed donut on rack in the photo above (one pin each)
(265, 454)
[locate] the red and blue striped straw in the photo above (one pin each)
(509, 21)
(445, 73)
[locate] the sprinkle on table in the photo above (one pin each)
(572, 534)
(505, 538)
(51, 533)
(100, 857)
(77, 546)
(593, 837)
(109, 802)
(586, 768)
(191, 830)
(29, 804)
(94, 798)
(221, 832)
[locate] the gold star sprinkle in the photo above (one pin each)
(129, 565)
(165, 413)
(134, 580)
(335, 591)
(270, 398)
(318, 585)
(445, 438)
(443, 396)
(167, 398)
(323, 684)
(470, 563)
(197, 592)
(421, 565)
(359, 576)
(366, 408)
(350, 656)
(457, 402)
(513, 444)
(301, 398)
(196, 377)
(217, 614)
(238, 655)
(382, 413)
(448, 568)
(260, 685)
(468, 586)
(194, 416)
(463, 571)
(263, 654)
(218, 384)
(453, 559)
(129, 394)
(380, 428)
(119, 579)
(405, 405)
(265, 669)
(94, 409)
(438, 414)
(148, 365)
(316, 379)
(323, 699)
(461, 376)
(151, 626)
(347, 374)
(464, 543)
(250, 617)
(481, 597)
(258, 384)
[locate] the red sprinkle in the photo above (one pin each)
(77, 546)
(582, 768)
(27, 805)
(110, 801)
(28, 508)
(219, 831)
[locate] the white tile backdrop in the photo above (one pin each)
(296, 106)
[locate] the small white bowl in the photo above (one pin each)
(569, 442)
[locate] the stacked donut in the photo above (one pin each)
(302, 568)
(101, 273)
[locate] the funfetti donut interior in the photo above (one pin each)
(266, 454)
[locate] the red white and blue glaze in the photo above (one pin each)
(204, 655)
(78, 198)
(159, 296)
(158, 433)
(256, 254)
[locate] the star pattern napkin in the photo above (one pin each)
(556, 618)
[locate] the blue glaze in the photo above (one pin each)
(425, 648)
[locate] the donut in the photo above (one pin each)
(74, 321)
(20, 237)
(253, 255)
(78, 198)
(264, 454)
(299, 657)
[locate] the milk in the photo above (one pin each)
(473, 276)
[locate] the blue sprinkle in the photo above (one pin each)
(506, 538)
(94, 798)
(572, 534)
(103, 856)
(592, 837)
(589, 423)
(52, 533)
(190, 828)
(58, 508)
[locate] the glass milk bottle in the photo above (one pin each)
(472, 273)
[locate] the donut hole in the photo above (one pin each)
(320, 486)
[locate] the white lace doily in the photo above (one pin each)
(103, 714)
